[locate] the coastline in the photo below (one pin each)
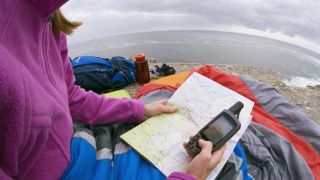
(307, 98)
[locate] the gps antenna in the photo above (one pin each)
(236, 108)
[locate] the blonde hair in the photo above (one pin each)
(61, 23)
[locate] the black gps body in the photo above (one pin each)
(219, 130)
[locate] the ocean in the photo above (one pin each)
(297, 66)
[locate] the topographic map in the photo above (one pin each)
(199, 99)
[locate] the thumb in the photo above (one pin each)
(206, 146)
(169, 109)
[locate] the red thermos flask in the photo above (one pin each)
(142, 69)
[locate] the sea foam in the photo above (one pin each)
(297, 81)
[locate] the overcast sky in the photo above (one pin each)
(296, 21)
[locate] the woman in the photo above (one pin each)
(39, 99)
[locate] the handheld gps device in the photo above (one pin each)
(219, 130)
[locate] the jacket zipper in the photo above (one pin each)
(45, 65)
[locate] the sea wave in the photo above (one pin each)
(298, 81)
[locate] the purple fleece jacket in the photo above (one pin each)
(38, 98)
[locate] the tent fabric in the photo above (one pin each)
(272, 150)
(172, 80)
(152, 87)
(236, 167)
(286, 113)
(271, 156)
(268, 155)
(156, 95)
(95, 154)
(239, 151)
(260, 116)
(231, 170)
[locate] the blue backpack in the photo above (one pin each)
(103, 75)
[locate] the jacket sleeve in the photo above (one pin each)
(91, 108)
(3, 176)
(180, 176)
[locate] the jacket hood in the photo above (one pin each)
(25, 15)
(48, 7)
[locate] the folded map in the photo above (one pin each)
(199, 99)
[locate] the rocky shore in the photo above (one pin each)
(307, 98)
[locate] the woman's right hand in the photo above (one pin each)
(203, 163)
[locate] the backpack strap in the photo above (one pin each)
(125, 68)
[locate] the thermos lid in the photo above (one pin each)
(140, 57)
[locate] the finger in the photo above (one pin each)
(217, 156)
(219, 151)
(190, 137)
(185, 145)
(206, 147)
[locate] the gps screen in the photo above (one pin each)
(218, 129)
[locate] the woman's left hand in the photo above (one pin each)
(158, 107)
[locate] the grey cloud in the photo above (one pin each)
(293, 18)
